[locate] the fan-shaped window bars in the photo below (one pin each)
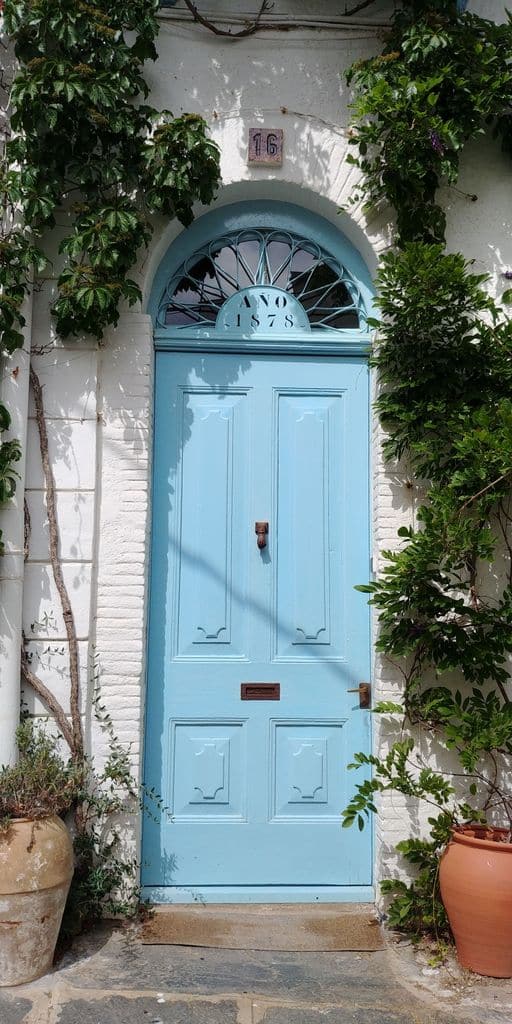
(326, 290)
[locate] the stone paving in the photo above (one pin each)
(110, 978)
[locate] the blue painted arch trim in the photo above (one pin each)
(257, 214)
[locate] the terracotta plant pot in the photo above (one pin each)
(36, 867)
(475, 874)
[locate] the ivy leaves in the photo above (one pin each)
(395, 772)
(10, 453)
(18, 255)
(444, 360)
(179, 162)
(86, 141)
(440, 80)
(100, 252)
(473, 723)
(177, 165)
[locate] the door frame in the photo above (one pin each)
(244, 216)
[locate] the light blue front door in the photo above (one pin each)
(254, 788)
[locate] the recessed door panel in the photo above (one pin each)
(306, 770)
(254, 647)
(310, 477)
(208, 532)
(207, 771)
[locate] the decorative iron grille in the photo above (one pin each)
(326, 290)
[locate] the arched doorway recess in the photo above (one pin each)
(257, 639)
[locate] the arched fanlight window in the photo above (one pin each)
(325, 289)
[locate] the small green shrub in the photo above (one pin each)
(105, 882)
(41, 783)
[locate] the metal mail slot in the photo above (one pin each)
(260, 691)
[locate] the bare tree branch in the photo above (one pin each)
(249, 31)
(48, 698)
(77, 745)
(349, 11)
(484, 490)
(27, 529)
(504, 524)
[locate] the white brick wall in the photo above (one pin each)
(125, 409)
(68, 377)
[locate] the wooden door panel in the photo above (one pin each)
(310, 442)
(254, 789)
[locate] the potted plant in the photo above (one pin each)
(475, 876)
(36, 853)
(465, 866)
(475, 866)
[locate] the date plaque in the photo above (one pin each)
(265, 146)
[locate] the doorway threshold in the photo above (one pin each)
(297, 927)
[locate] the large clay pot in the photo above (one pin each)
(36, 867)
(475, 875)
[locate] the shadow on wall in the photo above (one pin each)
(286, 80)
(482, 229)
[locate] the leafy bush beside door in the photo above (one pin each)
(443, 356)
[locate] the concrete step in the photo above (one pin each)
(298, 927)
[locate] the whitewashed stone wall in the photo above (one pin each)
(68, 375)
(98, 400)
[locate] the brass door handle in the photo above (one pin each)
(261, 530)
(365, 694)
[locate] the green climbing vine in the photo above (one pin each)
(443, 356)
(85, 147)
(85, 153)
(442, 79)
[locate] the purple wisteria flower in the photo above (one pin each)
(507, 274)
(436, 142)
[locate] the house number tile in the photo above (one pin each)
(265, 146)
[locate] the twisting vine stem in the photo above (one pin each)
(251, 28)
(48, 698)
(350, 11)
(77, 739)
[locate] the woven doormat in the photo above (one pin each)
(326, 927)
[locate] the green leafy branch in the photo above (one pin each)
(440, 81)
(84, 140)
(443, 356)
(394, 772)
(84, 144)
